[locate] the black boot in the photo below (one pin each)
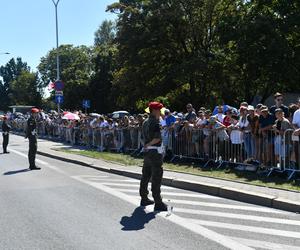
(146, 202)
(161, 207)
(34, 168)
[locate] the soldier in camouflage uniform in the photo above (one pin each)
(5, 132)
(31, 134)
(153, 159)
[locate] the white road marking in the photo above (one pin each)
(238, 216)
(260, 230)
(202, 196)
(114, 180)
(39, 161)
(95, 176)
(265, 244)
(98, 178)
(209, 234)
(26, 156)
(226, 206)
(131, 185)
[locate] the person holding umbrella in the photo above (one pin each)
(31, 134)
(5, 132)
(153, 159)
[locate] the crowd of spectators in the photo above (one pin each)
(269, 135)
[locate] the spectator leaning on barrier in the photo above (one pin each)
(296, 117)
(169, 118)
(278, 97)
(281, 125)
(266, 122)
(227, 118)
(236, 138)
(254, 127)
(292, 109)
(296, 135)
(220, 115)
(245, 128)
(190, 116)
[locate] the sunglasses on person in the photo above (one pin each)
(279, 99)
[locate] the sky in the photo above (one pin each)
(27, 27)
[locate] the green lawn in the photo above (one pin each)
(245, 177)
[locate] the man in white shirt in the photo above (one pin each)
(296, 117)
(296, 135)
(220, 115)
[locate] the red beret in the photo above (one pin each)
(155, 105)
(35, 110)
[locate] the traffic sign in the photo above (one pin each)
(59, 99)
(86, 104)
(61, 93)
(59, 85)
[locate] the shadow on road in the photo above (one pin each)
(137, 220)
(16, 171)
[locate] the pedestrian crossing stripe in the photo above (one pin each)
(225, 206)
(201, 196)
(238, 216)
(261, 230)
(198, 229)
(130, 185)
(264, 244)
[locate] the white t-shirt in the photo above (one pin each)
(163, 123)
(244, 123)
(103, 124)
(296, 118)
(236, 136)
(220, 117)
(200, 122)
(93, 123)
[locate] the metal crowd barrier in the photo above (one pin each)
(223, 147)
(218, 147)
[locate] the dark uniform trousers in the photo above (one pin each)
(5, 142)
(32, 150)
(152, 168)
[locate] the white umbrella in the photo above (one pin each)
(94, 115)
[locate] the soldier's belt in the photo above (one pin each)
(160, 150)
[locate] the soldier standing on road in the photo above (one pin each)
(153, 159)
(31, 134)
(5, 132)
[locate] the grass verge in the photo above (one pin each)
(233, 175)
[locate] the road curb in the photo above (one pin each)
(221, 191)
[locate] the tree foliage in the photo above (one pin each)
(105, 34)
(20, 86)
(75, 72)
(205, 51)
(178, 51)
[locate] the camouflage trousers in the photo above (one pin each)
(152, 169)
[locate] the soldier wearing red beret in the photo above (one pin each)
(153, 159)
(31, 134)
(5, 133)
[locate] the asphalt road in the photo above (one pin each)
(66, 206)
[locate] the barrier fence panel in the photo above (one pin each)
(290, 153)
(230, 147)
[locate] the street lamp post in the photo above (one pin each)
(57, 51)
